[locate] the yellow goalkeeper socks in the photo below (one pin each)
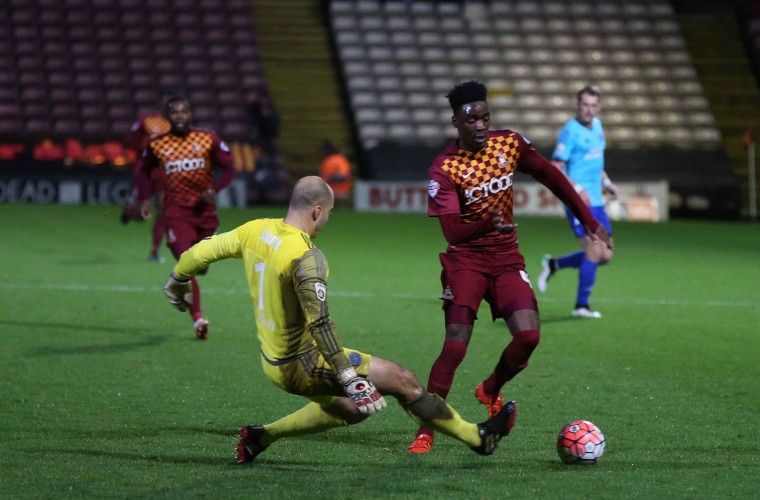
(432, 411)
(310, 419)
(457, 427)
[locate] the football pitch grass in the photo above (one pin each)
(106, 393)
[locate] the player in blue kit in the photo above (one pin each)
(580, 155)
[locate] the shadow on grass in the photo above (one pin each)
(109, 348)
(88, 261)
(556, 318)
(140, 432)
(272, 462)
(396, 459)
(150, 457)
(72, 326)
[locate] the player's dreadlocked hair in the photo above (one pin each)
(169, 100)
(465, 93)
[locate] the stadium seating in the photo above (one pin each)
(533, 56)
(91, 67)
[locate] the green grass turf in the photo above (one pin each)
(104, 392)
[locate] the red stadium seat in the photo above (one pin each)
(86, 66)
(62, 94)
(90, 111)
(90, 94)
(168, 65)
(113, 79)
(11, 125)
(37, 125)
(136, 32)
(200, 97)
(235, 130)
(94, 127)
(50, 18)
(141, 65)
(8, 77)
(118, 94)
(143, 80)
(87, 78)
(33, 94)
(222, 81)
(66, 126)
(10, 109)
(86, 63)
(198, 80)
(34, 78)
(171, 80)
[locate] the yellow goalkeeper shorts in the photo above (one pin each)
(309, 374)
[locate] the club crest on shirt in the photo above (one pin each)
(447, 294)
(433, 188)
(321, 290)
(502, 159)
(525, 278)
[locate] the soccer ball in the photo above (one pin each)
(580, 442)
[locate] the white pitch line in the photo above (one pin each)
(80, 287)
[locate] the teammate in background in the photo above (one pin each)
(301, 352)
(185, 155)
(336, 171)
(580, 155)
(142, 131)
(470, 191)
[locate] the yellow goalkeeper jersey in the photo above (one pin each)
(287, 281)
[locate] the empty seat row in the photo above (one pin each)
(94, 65)
(625, 136)
(400, 61)
(552, 8)
(493, 24)
(497, 54)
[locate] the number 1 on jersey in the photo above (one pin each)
(259, 267)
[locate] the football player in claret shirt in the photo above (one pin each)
(470, 192)
(142, 131)
(185, 155)
(301, 352)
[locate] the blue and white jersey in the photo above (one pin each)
(582, 150)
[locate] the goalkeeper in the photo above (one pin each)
(300, 349)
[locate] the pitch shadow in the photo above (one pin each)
(109, 348)
(72, 326)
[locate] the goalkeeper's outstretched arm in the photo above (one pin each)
(178, 289)
(202, 254)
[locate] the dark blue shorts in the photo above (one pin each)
(598, 213)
